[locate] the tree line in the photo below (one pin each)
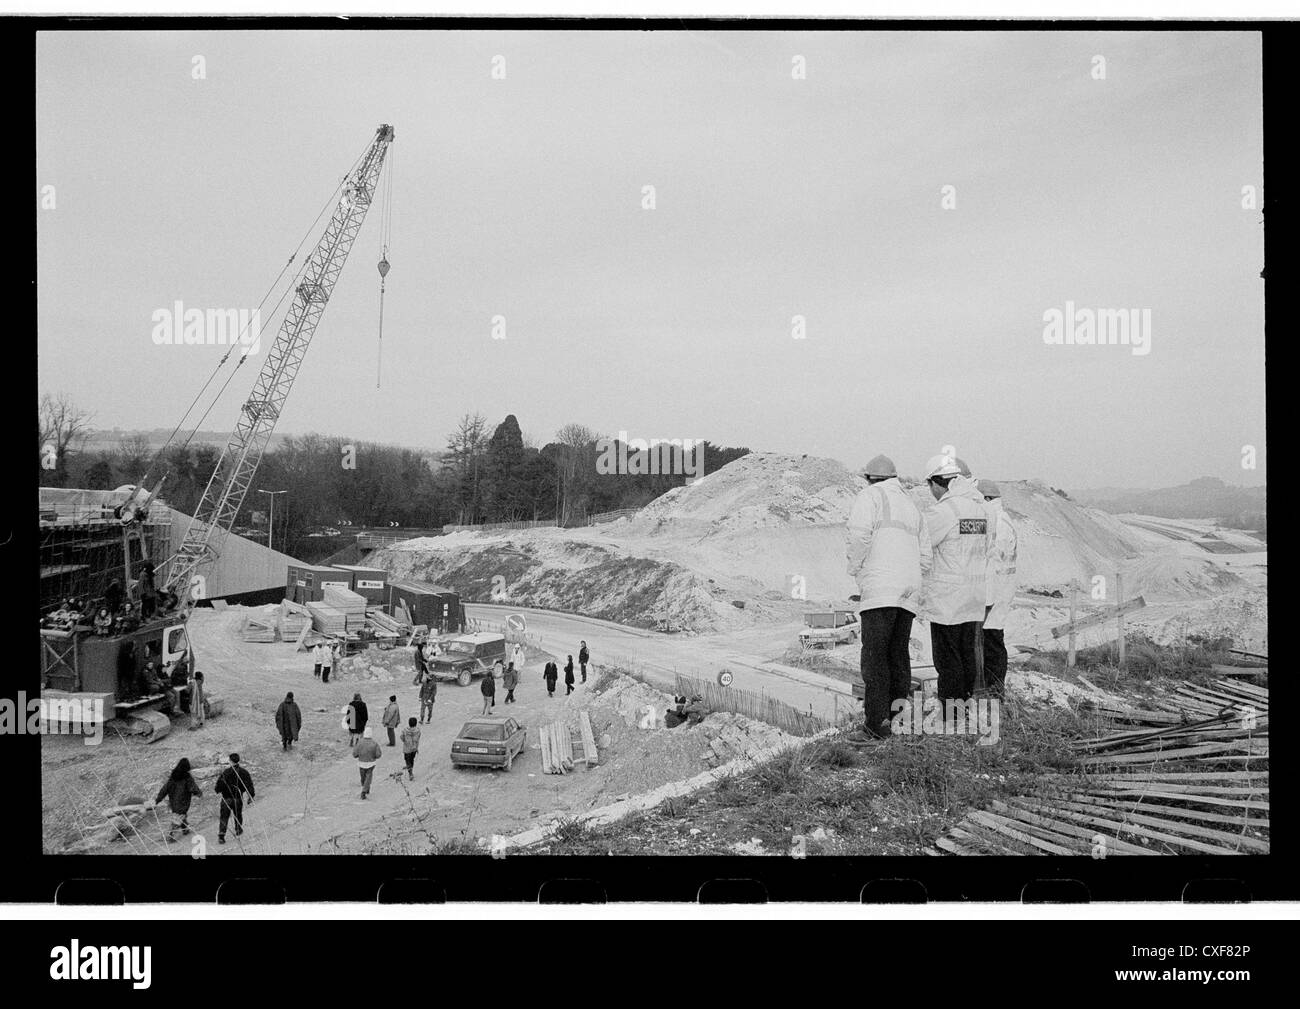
(485, 474)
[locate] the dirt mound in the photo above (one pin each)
(758, 490)
(1170, 576)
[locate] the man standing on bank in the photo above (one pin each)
(888, 556)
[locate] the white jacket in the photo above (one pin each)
(1001, 570)
(888, 547)
(962, 536)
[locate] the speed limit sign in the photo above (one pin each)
(725, 678)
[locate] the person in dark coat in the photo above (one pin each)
(179, 788)
(568, 676)
(584, 657)
(358, 716)
(428, 695)
(421, 667)
(489, 688)
(288, 719)
(510, 680)
(113, 596)
(231, 786)
(550, 674)
(391, 719)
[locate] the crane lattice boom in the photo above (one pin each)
(233, 475)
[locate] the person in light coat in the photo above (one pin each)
(954, 593)
(1000, 588)
(888, 556)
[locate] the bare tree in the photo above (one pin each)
(62, 429)
(132, 457)
(467, 445)
(576, 465)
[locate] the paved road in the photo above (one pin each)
(662, 656)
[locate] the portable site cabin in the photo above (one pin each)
(306, 582)
(435, 607)
(370, 582)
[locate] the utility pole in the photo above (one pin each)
(270, 526)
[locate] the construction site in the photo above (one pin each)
(681, 674)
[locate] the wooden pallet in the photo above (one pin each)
(563, 747)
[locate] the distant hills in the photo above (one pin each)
(1205, 498)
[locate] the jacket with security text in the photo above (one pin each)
(961, 538)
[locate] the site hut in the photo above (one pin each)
(434, 606)
(372, 583)
(305, 583)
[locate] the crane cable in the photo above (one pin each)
(331, 201)
(385, 238)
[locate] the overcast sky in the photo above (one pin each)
(775, 197)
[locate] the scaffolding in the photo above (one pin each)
(83, 546)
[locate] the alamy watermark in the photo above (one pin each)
(920, 715)
(1125, 327)
(53, 716)
(193, 327)
(641, 457)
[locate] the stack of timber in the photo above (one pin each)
(258, 627)
(351, 604)
(1185, 775)
(291, 620)
(563, 748)
(327, 619)
(386, 626)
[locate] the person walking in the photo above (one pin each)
(391, 719)
(367, 752)
(568, 677)
(489, 688)
(317, 653)
(550, 674)
(954, 592)
(326, 660)
(410, 746)
(179, 789)
(510, 680)
(233, 782)
(888, 554)
(288, 720)
(421, 667)
(584, 656)
(198, 701)
(358, 716)
(1000, 589)
(518, 656)
(428, 694)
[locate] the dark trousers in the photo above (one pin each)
(316, 671)
(367, 776)
(568, 687)
(392, 739)
(510, 696)
(324, 674)
(426, 711)
(995, 659)
(955, 660)
(410, 763)
(584, 672)
(231, 808)
(286, 742)
(886, 664)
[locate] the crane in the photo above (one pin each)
(230, 480)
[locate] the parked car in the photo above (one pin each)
(468, 655)
(489, 741)
(833, 627)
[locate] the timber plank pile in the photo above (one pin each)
(351, 604)
(257, 628)
(1186, 775)
(563, 747)
(327, 619)
(291, 620)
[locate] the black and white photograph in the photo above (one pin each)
(650, 440)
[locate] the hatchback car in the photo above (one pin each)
(489, 741)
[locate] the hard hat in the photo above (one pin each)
(988, 488)
(882, 466)
(941, 465)
(962, 468)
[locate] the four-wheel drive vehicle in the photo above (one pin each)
(489, 741)
(466, 656)
(833, 627)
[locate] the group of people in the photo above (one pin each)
(954, 565)
(551, 672)
(234, 787)
(117, 611)
(325, 655)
